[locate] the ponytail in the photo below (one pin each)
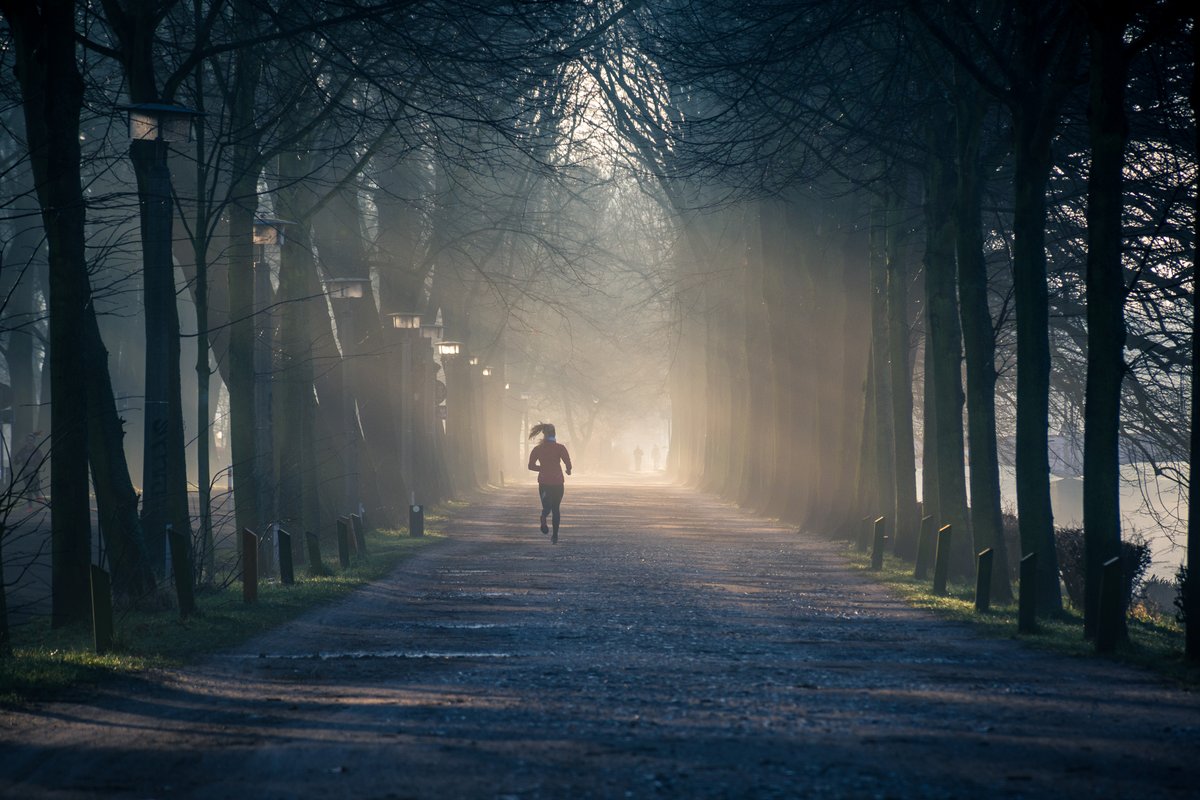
(542, 428)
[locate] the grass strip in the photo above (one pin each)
(46, 662)
(1155, 642)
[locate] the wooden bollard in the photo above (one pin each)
(983, 581)
(360, 533)
(287, 574)
(1027, 598)
(315, 565)
(1108, 621)
(102, 615)
(941, 560)
(249, 566)
(864, 535)
(181, 568)
(416, 520)
(343, 539)
(878, 539)
(924, 549)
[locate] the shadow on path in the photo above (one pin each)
(670, 645)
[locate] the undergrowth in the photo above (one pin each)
(48, 662)
(1155, 640)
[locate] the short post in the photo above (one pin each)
(416, 520)
(924, 549)
(360, 534)
(983, 581)
(877, 543)
(287, 574)
(1027, 598)
(181, 568)
(864, 535)
(249, 566)
(1108, 622)
(343, 537)
(315, 566)
(941, 560)
(102, 616)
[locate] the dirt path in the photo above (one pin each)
(669, 646)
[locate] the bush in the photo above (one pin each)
(1135, 560)
(1159, 596)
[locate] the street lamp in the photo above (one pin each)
(449, 348)
(268, 230)
(432, 330)
(152, 127)
(408, 323)
(473, 361)
(349, 289)
(405, 321)
(160, 122)
(486, 372)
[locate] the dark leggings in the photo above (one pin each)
(551, 497)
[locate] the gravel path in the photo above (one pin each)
(668, 646)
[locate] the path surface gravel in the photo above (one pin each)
(669, 646)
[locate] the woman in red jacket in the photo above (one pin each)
(547, 460)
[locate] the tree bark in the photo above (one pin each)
(1108, 131)
(1191, 586)
(244, 169)
(944, 338)
(979, 342)
(882, 406)
(52, 98)
(905, 525)
(116, 499)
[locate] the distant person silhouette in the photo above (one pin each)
(655, 455)
(547, 460)
(637, 458)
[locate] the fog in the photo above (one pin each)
(784, 255)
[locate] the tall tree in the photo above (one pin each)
(52, 91)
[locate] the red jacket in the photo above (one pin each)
(544, 460)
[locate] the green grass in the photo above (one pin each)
(49, 662)
(1155, 641)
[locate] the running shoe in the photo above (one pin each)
(545, 527)
(554, 538)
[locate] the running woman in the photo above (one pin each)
(545, 460)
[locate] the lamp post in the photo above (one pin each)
(488, 405)
(453, 355)
(152, 127)
(407, 324)
(348, 290)
(267, 232)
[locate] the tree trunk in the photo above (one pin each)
(1031, 300)
(884, 456)
(944, 339)
(116, 499)
(52, 97)
(1109, 130)
(1191, 586)
(905, 525)
(21, 263)
(244, 169)
(978, 340)
(164, 465)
